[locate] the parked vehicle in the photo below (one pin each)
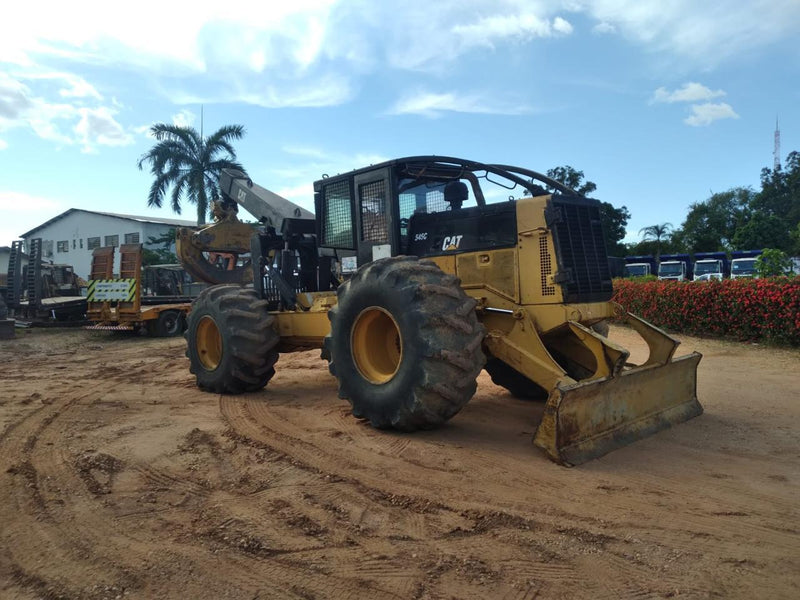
(640, 266)
(711, 265)
(412, 282)
(153, 297)
(743, 263)
(677, 267)
(40, 292)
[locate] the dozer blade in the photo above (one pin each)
(588, 419)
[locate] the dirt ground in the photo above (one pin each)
(119, 479)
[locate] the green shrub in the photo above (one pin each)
(745, 309)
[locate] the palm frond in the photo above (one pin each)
(186, 135)
(158, 189)
(179, 185)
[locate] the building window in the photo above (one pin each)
(62, 246)
(112, 240)
(81, 243)
(92, 243)
(74, 243)
(132, 238)
(47, 248)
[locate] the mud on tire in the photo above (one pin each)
(405, 344)
(231, 342)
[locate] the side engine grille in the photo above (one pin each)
(547, 267)
(583, 270)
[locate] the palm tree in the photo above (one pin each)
(656, 233)
(190, 164)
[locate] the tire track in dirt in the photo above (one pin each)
(256, 418)
(78, 533)
(300, 500)
(265, 427)
(34, 491)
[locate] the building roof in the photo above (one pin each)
(173, 222)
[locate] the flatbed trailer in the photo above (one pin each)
(116, 304)
(41, 293)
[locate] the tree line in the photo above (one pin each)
(739, 218)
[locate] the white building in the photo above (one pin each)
(70, 237)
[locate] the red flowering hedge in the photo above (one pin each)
(745, 309)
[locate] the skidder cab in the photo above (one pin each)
(418, 273)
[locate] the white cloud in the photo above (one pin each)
(301, 194)
(703, 33)
(689, 92)
(97, 127)
(311, 53)
(432, 105)
(603, 28)
(64, 119)
(183, 118)
(3, 144)
(487, 30)
(705, 114)
(299, 53)
(562, 26)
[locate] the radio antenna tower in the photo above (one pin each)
(777, 151)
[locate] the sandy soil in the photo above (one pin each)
(119, 479)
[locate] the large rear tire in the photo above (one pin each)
(405, 344)
(515, 382)
(231, 342)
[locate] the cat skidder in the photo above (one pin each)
(416, 274)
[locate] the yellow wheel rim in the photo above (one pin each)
(208, 343)
(376, 345)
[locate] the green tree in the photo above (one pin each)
(573, 179)
(763, 230)
(778, 203)
(190, 164)
(780, 190)
(613, 220)
(162, 255)
(795, 235)
(773, 263)
(656, 233)
(711, 225)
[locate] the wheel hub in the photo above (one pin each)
(208, 343)
(376, 345)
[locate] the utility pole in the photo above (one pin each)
(776, 153)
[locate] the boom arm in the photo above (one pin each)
(266, 206)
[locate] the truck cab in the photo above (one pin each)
(743, 263)
(676, 267)
(640, 266)
(710, 265)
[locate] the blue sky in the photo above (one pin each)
(659, 103)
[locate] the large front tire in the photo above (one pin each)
(405, 344)
(231, 342)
